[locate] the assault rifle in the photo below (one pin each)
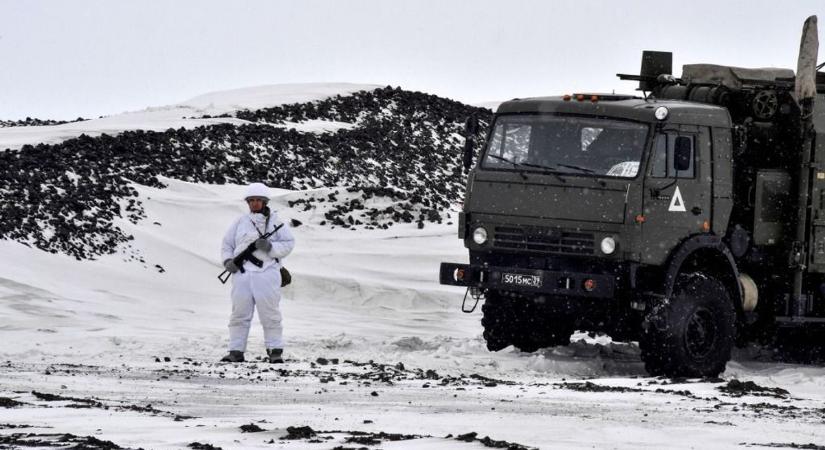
(247, 255)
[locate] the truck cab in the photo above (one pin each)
(576, 203)
(659, 218)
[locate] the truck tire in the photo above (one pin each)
(692, 334)
(536, 331)
(520, 323)
(528, 335)
(497, 322)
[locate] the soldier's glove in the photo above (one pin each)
(230, 266)
(263, 245)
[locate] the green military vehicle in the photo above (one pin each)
(687, 219)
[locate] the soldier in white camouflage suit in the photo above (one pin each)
(252, 284)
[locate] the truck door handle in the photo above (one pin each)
(696, 210)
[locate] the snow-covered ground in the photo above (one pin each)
(126, 352)
(95, 329)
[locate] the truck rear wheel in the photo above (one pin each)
(691, 334)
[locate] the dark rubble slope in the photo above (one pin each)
(404, 146)
(29, 122)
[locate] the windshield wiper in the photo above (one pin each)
(515, 164)
(547, 169)
(583, 169)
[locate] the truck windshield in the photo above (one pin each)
(566, 144)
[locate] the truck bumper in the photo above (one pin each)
(575, 284)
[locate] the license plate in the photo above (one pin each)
(521, 280)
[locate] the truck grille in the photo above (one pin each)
(543, 240)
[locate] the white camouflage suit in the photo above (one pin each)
(257, 286)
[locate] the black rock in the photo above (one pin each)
(251, 428)
(304, 432)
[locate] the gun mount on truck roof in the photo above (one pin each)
(683, 218)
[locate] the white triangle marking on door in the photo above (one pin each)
(676, 203)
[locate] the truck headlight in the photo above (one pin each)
(480, 235)
(608, 245)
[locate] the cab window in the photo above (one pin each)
(674, 156)
(569, 145)
(510, 143)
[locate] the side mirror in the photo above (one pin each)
(470, 130)
(468, 153)
(682, 152)
(471, 126)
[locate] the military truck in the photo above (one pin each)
(688, 218)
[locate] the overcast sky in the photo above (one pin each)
(62, 59)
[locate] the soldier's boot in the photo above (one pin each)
(275, 355)
(233, 356)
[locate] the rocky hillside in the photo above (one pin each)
(29, 122)
(400, 146)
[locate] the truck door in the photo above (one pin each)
(677, 192)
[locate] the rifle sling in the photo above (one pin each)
(257, 262)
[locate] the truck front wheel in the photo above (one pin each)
(692, 333)
(539, 330)
(518, 321)
(497, 322)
